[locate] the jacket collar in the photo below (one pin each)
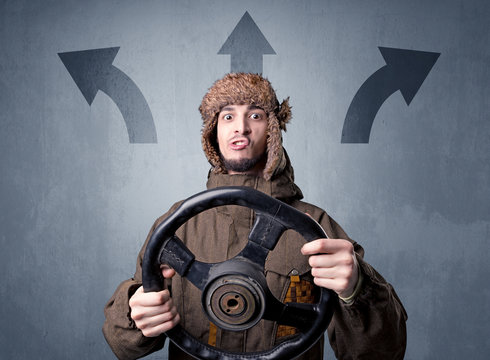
(281, 186)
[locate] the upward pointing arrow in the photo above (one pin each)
(246, 45)
(92, 70)
(405, 70)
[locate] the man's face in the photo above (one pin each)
(242, 138)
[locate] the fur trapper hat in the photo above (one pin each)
(245, 89)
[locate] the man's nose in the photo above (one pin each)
(242, 125)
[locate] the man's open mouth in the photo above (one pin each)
(239, 144)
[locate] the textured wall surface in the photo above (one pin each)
(79, 191)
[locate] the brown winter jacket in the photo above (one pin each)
(372, 327)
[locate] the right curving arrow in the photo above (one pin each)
(405, 70)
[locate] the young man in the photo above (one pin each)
(241, 137)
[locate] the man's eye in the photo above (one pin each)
(227, 117)
(255, 116)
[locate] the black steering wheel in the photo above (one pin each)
(235, 295)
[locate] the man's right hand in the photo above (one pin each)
(154, 312)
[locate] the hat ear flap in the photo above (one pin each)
(284, 114)
(210, 146)
(275, 153)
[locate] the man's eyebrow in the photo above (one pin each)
(232, 108)
(228, 108)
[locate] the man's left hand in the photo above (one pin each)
(334, 265)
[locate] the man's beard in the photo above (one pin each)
(242, 165)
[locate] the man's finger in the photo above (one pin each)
(157, 330)
(324, 246)
(150, 298)
(167, 271)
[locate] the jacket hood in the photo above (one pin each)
(245, 89)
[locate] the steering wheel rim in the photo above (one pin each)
(273, 217)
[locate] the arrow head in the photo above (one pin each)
(88, 68)
(409, 68)
(246, 38)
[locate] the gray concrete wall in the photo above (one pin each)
(78, 193)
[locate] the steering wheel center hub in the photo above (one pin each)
(234, 302)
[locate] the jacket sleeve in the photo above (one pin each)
(374, 325)
(120, 331)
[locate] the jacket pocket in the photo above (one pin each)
(289, 278)
(286, 259)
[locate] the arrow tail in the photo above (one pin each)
(247, 64)
(132, 104)
(366, 104)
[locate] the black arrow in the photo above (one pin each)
(92, 70)
(405, 70)
(246, 45)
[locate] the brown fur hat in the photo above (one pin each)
(245, 89)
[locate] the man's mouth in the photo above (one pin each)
(239, 144)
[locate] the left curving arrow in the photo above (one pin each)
(92, 70)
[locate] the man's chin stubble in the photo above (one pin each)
(241, 165)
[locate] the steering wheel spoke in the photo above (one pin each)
(299, 315)
(266, 230)
(255, 253)
(198, 274)
(175, 254)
